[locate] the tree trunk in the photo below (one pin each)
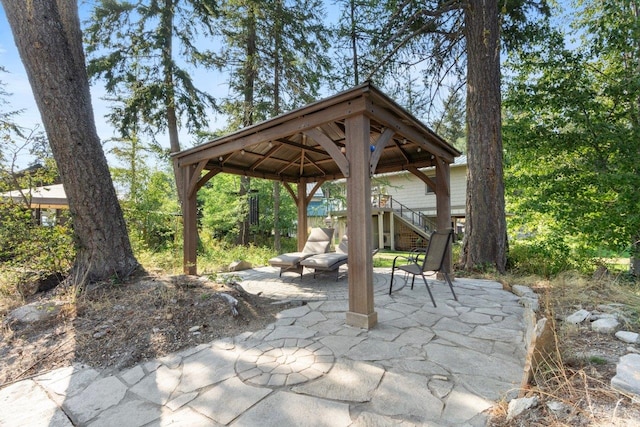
(47, 34)
(170, 97)
(277, 243)
(249, 88)
(485, 243)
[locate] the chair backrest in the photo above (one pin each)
(343, 247)
(437, 249)
(319, 241)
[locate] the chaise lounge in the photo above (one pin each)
(328, 262)
(318, 242)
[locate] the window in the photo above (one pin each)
(427, 189)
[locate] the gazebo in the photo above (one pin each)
(351, 135)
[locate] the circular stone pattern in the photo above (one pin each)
(284, 362)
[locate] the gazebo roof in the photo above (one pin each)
(354, 135)
(306, 142)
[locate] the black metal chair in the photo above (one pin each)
(430, 260)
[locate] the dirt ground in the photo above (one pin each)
(573, 383)
(115, 326)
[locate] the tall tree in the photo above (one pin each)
(47, 34)
(485, 241)
(131, 46)
(275, 56)
(451, 41)
(572, 131)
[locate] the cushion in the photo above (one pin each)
(329, 261)
(289, 260)
(318, 241)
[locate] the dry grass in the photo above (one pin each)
(575, 371)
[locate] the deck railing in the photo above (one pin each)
(416, 218)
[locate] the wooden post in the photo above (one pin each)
(361, 312)
(392, 231)
(443, 204)
(189, 220)
(381, 230)
(302, 214)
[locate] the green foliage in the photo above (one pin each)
(571, 134)
(153, 216)
(129, 45)
(218, 254)
(221, 206)
(543, 257)
(26, 245)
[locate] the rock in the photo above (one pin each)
(194, 328)
(558, 408)
(530, 301)
(598, 316)
(233, 303)
(605, 326)
(610, 308)
(627, 376)
(240, 265)
(628, 337)
(35, 312)
(517, 406)
(100, 334)
(578, 317)
(521, 291)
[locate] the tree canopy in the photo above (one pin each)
(572, 131)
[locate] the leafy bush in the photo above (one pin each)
(27, 245)
(546, 257)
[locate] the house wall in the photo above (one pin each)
(410, 191)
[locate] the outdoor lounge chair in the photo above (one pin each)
(331, 261)
(328, 262)
(431, 260)
(318, 242)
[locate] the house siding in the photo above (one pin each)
(410, 191)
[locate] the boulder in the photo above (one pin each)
(518, 406)
(35, 312)
(628, 337)
(578, 317)
(240, 265)
(605, 326)
(627, 376)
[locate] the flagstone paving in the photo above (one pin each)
(420, 366)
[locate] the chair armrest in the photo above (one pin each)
(407, 259)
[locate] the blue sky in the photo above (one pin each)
(17, 84)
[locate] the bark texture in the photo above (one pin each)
(485, 243)
(48, 36)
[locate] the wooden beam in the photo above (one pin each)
(405, 130)
(265, 157)
(302, 214)
(382, 142)
(331, 148)
(302, 146)
(206, 177)
(313, 191)
(195, 177)
(275, 132)
(443, 204)
(190, 225)
(424, 178)
(287, 187)
(400, 166)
